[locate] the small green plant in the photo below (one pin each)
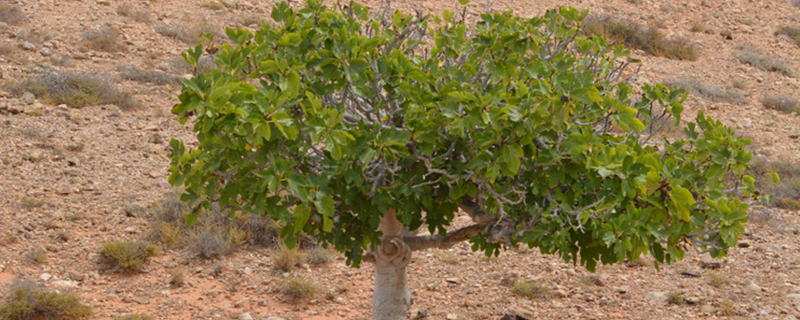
(29, 301)
(717, 280)
(128, 255)
(107, 39)
(767, 63)
(781, 103)
(791, 32)
(726, 307)
(73, 89)
(11, 14)
(29, 203)
(675, 297)
(446, 257)
(37, 256)
(177, 278)
(298, 288)
(532, 289)
(633, 35)
(697, 26)
(705, 91)
(286, 259)
(137, 316)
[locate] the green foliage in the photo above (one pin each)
(128, 255)
(27, 300)
(324, 121)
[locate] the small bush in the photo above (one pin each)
(29, 203)
(319, 256)
(7, 238)
(634, 36)
(177, 278)
(782, 104)
(706, 91)
(128, 255)
(37, 256)
(29, 301)
(697, 26)
(213, 5)
(726, 307)
(675, 297)
(592, 279)
(767, 63)
(178, 66)
(64, 236)
(717, 280)
(210, 241)
(287, 259)
(107, 39)
(787, 192)
(148, 76)
(130, 11)
(298, 288)
(793, 33)
(11, 14)
(531, 289)
(188, 33)
(73, 89)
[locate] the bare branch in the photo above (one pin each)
(443, 241)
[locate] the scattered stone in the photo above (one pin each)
(451, 280)
(65, 283)
(753, 288)
(142, 300)
(417, 314)
(247, 270)
(743, 244)
(135, 209)
(518, 314)
(692, 300)
(45, 276)
(689, 272)
(241, 302)
(274, 318)
(451, 316)
(28, 98)
(793, 296)
(28, 46)
(657, 296)
(247, 316)
(621, 290)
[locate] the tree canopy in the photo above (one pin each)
(328, 118)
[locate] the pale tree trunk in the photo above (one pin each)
(391, 299)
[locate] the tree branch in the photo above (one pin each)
(443, 241)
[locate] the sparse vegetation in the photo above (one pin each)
(178, 66)
(211, 241)
(767, 63)
(29, 301)
(286, 259)
(148, 76)
(29, 203)
(791, 32)
(189, 33)
(177, 278)
(781, 103)
(634, 36)
(128, 255)
(706, 91)
(726, 307)
(130, 11)
(37, 256)
(787, 192)
(697, 26)
(137, 316)
(11, 14)
(592, 279)
(64, 236)
(298, 288)
(531, 289)
(73, 89)
(7, 238)
(717, 280)
(675, 297)
(213, 5)
(319, 256)
(107, 39)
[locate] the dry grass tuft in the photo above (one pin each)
(107, 39)
(149, 76)
(189, 33)
(286, 259)
(11, 14)
(319, 256)
(74, 89)
(130, 11)
(177, 278)
(532, 289)
(782, 104)
(137, 316)
(30, 301)
(675, 297)
(634, 36)
(767, 63)
(787, 192)
(697, 26)
(446, 257)
(37, 256)
(29, 203)
(791, 32)
(298, 288)
(213, 5)
(130, 256)
(706, 91)
(717, 280)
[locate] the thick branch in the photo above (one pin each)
(443, 241)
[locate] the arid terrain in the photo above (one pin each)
(72, 179)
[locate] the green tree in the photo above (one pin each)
(355, 126)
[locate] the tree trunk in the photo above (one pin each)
(391, 299)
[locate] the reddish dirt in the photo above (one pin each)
(66, 169)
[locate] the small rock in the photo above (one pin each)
(65, 283)
(451, 316)
(131, 230)
(689, 272)
(753, 288)
(451, 280)
(28, 98)
(142, 300)
(247, 316)
(241, 302)
(417, 314)
(274, 318)
(45, 52)
(34, 156)
(247, 270)
(793, 296)
(743, 244)
(135, 209)
(28, 46)
(45, 276)
(657, 296)
(693, 300)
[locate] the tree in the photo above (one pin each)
(355, 127)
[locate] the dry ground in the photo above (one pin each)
(73, 171)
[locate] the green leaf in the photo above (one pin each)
(463, 2)
(301, 215)
(775, 178)
(683, 202)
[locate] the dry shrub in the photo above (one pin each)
(137, 316)
(177, 278)
(532, 289)
(287, 259)
(188, 33)
(767, 63)
(130, 11)
(791, 32)
(128, 255)
(148, 76)
(787, 192)
(74, 89)
(177, 65)
(697, 26)
(319, 256)
(213, 5)
(633, 35)
(11, 14)
(782, 104)
(717, 280)
(30, 301)
(298, 288)
(706, 91)
(107, 39)
(37, 256)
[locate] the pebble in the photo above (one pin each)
(135, 209)
(45, 276)
(246, 316)
(451, 316)
(657, 296)
(28, 98)
(28, 46)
